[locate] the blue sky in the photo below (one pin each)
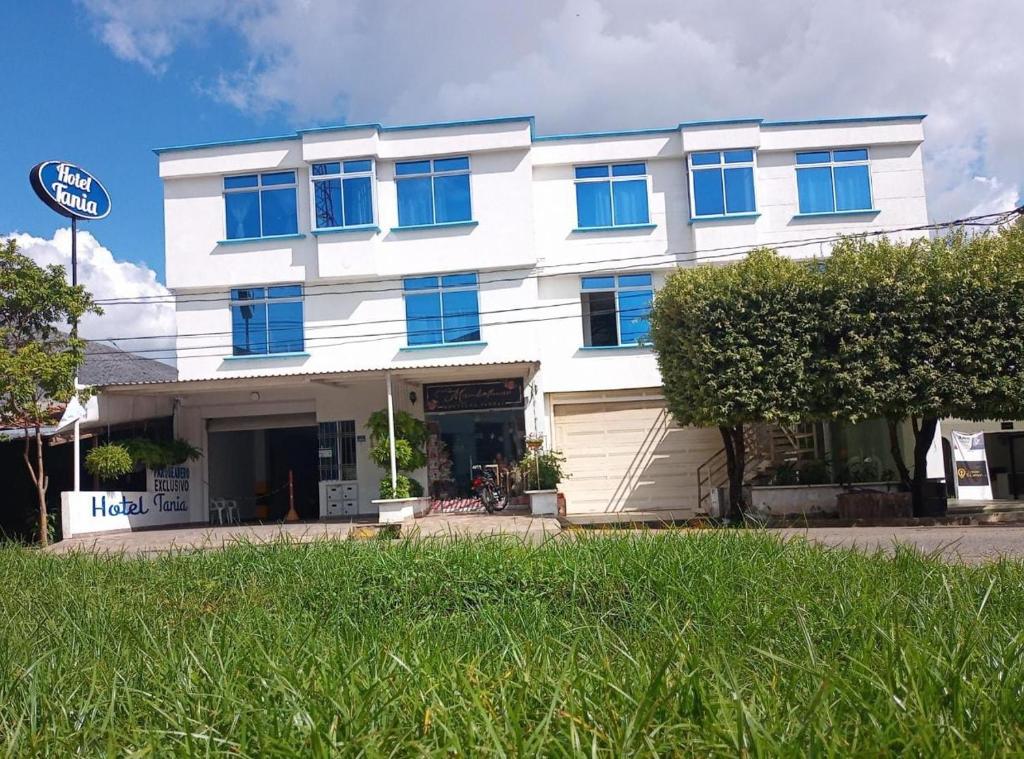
(103, 82)
(79, 102)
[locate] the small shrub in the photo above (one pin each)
(548, 464)
(402, 489)
(110, 461)
(813, 472)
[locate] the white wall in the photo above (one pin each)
(523, 197)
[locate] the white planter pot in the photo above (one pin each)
(543, 503)
(392, 510)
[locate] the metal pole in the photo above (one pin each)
(77, 448)
(391, 436)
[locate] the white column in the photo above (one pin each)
(391, 435)
(78, 456)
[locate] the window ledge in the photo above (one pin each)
(265, 356)
(724, 217)
(339, 230)
(615, 228)
(632, 347)
(434, 346)
(439, 225)
(829, 214)
(243, 240)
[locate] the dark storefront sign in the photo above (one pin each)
(972, 473)
(473, 396)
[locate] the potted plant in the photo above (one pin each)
(541, 471)
(405, 499)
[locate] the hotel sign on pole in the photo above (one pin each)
(70, 190)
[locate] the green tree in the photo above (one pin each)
(923, 330)
(38, 357)
(736, 346)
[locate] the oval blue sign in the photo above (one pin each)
(70, 190)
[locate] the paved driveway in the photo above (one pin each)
(972, 544)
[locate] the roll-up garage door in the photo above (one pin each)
(264, 422)
(629, 456)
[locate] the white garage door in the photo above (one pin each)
(627, 456)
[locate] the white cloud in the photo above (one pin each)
(107, 278)
(612, 64)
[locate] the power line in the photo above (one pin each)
(696, 256)
(349, 339)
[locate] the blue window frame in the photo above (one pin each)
(616, 309)
(266, 320)
(829, 181)
(260, 205)
(722, 183)
(433, 191)
(342, 194)
(442, 309)
(611, 195)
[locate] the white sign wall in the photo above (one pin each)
(971, 465)
(166, 502)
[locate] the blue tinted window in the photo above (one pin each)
(616, 310)
(242, 211)
(819, 157)
(266, 321)
(708, 195)
(598, 283)
(629, 170)
(594, 204)
(451, 198)
(843, 183)
(723, 184)
(358, 201)
(451, 164)
(280, 177)
(437, 197)
(340, 198)
(455, 280)
(611, 196)
(415, 202)
(814, 187)
(860, 154)
(705, 159)
(327, 198)
(423, 318)
(630, 198)
(279, 213)
(260, 205)
(412, 167)
(853, 188)
(634, 280)
(444, 310)
(739, 156)
(234, 183)
(739, 190)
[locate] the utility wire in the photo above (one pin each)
(340, 340)
(694, 256)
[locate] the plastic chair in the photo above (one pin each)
(224, 507)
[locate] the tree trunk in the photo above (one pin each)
(897, 454)
(38, 475)
(923, 437)
(735, 461)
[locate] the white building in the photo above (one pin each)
(500, 278)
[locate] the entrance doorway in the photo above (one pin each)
(476, 423)
(251, 466)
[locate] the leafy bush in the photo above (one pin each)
(109, 461)
(813, 472)
(153, 454)
(549, 465)
(406, 458)
(407, 488)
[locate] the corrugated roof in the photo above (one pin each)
(320, 373)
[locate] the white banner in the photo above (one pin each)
(971, 464)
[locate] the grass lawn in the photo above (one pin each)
(714, 644)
